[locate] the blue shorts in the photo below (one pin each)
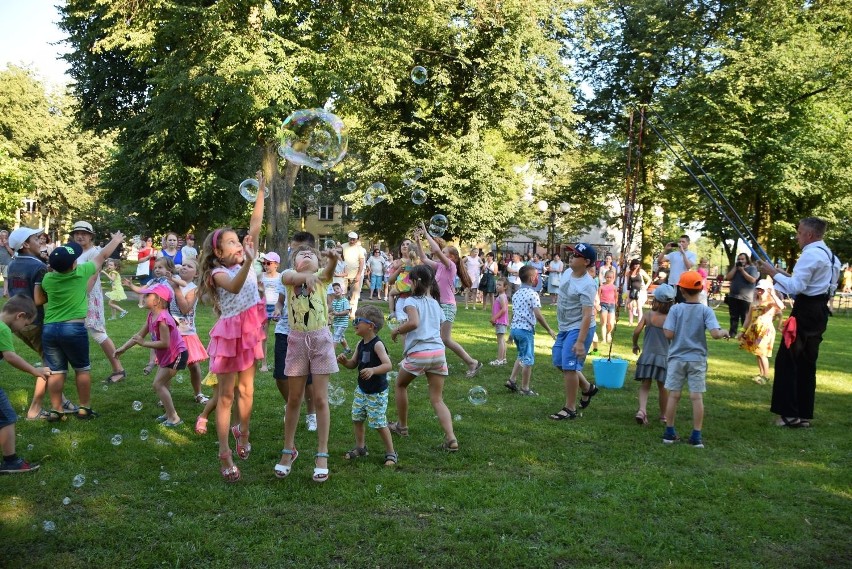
(563, 350)
(66, 343)
(7, 413)
(370, 407)
(270, 308)
(608, 307)
(376, 282)
(525, 342)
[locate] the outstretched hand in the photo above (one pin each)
(248, 248)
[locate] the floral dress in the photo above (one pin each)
(759, 337)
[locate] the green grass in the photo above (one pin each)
(523, 491)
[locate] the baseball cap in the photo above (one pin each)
(762, 284)
(691, 280)
(83, 226)
(190, 236)
(160, 290)
(272, 256)
(353, 235)
(664, 293)
(21, 234)
(584, 250)
(62, 258)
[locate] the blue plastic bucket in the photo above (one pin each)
(610, 373)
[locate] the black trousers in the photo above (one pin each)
(738, 309)
(795, 367)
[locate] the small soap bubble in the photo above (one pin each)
(95, 482)
(392, 322)
(165, 476)
(116, 440)
(477, 395)
(44, 482)
(457, 418)
(55, 431)
(519, 100)
(317, 187)
(377, 192)
(66, 500)
(75, 444)
(351, 185)
(137, 405)
(378, 488)
(419, 74)
(336, 395)
(249, 189)
(314, 138)
(143, 435)
(392, 375)
(105, 387)
(179, 378)
(48, 525)
(37, 364)
(329, 244)
(555, 122)
(438, 225)
(418, 197)
(170, 514)
(78, 481)
(30, 446)
(411, 176)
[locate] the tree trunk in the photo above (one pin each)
(278, 208)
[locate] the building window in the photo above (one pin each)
(346, 212)
(326, 212)
(296, 212)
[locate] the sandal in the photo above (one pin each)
(116, 377)
(586, 400)
(355, 453)
(282, 470)
(641, 418)
(392, 458)
(42, 416)
(54, 416)
(320, 474)
(792, 422)
(398, 429)
(528, 392)
(148, 368)
(472, 372)
(511, 385)
(201, 425)
(170, 425)
(69, 408)
(564, 413)
(804, 424)
(86, 413)
(229, 473)
(243, 450)
(450, 446)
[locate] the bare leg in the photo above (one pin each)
(320, 384)
(161, 388)
(385, 435)
(195, 377)
(245, 402)
(572, 383)
(223, 415)
(55, 385)
(697, 410)
(109, 351)
(295, 392)
(403, 379)
(501, 347)
(644, 390)
(38, 398)
(84, 389)
(436, 397)
(455, 347)
(671, 407)
(526, 375)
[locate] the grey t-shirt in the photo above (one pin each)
(574, 294)
(689, 322)
(740, 287)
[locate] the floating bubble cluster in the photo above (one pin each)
(78, 481)
(336, 395)
(143, 435)
(116, 440)
(314, 138)
(137, 405)
(329, 244)
(411, 176)
(317, 188)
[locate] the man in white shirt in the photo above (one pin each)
(356, 259)
(811, 283)
(189, 251)
(513, 269)
(680, 260)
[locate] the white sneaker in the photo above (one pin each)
(201, 399)
(311, 421)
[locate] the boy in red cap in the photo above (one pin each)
(685, 327)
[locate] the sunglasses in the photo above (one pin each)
(359, 320)
(266, 262)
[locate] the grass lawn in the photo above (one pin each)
(524, 491)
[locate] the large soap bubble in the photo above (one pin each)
(249, 189)
(418, 197)
(313, 137)
(419, 74)
(377, 192)
(351, 185)
(438, 225)
(411, 176)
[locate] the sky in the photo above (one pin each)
(27, 31)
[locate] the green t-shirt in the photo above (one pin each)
(67, 294)
(6, 344)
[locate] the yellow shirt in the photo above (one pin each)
(307, 309)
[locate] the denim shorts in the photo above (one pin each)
(376, 282)
(66, 343)
(525, 342)
(7, 413)
(500, 329)
(608, 307)
(563, 350)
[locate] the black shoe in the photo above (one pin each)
(586, 400)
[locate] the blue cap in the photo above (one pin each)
(584, 250)
(62, 258)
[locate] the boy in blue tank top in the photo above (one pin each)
(371, 396)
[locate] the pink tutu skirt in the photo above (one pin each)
(195, 349)
(236, 342)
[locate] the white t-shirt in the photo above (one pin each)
(677, 267)
(353, 255)
(513, 266)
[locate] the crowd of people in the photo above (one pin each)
(57, 305)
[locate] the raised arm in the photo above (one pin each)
(415, 241)
(104, 253)
(436, 250)
(257, 213)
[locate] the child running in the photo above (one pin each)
(228, 280)
(526, 311)
(423, 353)
(168, 346)
(651, 365)
(371, 395)
(117, 293)
(310, 350)
(687, 363)
(18, 312)
(758, 335)
(500, 319)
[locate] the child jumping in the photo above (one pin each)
(117, 293)
(758, 335)
(526, 311)
(500, 319)
(687, 363)
(18, 312)
(423, 353)
(371, 396)
(168, 346)
(651, 365)
(228, 280)
(310, 350)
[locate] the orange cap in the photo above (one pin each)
(691, 280)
